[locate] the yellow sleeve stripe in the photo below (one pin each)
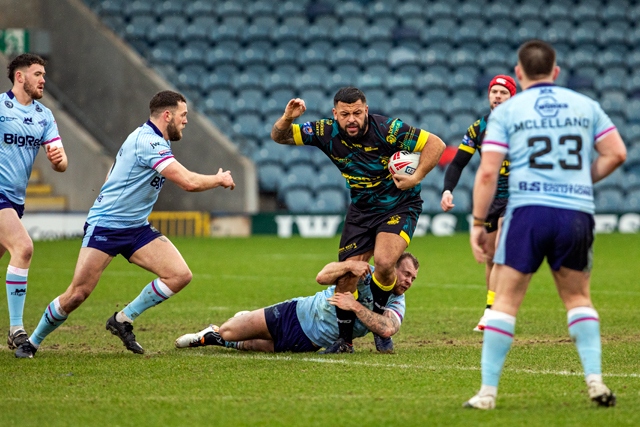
(422, 140)
(297, 136)
(406, 237)
(466, 148)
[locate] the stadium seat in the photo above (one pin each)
(372, 34)
(411, 9)
(609, 200)
(435, 181)
(461, 57)
(250, 125)
(582, 35)
(256, 53)
(462, 200)
(498, 13)
(190, 77)
(303, 156)
(330, 200)
(164, 53)
(315, 54)
(555, 12)
(633, 201)
(259, 8)
(139, 26)
(528, 29)
(199, 8)
(297, 200)
(401, 57)
(443, 32)
(138, 8)
(377, 99)
(377, 55)
(470, 32)
(270, 176)
(289, 8)
(259, 29)
(248, 100)
(500, 33)
(558, 32)
(285, 52)
(441, 10)
(290, 29)
(431, 200)
(463, 10)
(230, 8)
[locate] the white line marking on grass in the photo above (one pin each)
(411, 366)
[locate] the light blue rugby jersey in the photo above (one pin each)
(24, 130)
(548, 133)
(134, 182)
(318, 318)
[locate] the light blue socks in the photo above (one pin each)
(16, 293)
(498, 336)
(53, 317)
(152, 294)
(584, 329)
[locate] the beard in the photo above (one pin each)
(32, 91)
(355, 138)
(173, 132)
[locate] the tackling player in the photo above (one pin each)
(25, 125)
(308, 324)
(117, 224)
(501, 88)
(550, 134)
(384, 209)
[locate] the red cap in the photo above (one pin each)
(504, 80)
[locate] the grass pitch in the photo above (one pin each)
(83, 376)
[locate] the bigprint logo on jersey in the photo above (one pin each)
(547, 106)
(22, 140)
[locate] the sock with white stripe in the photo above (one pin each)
(53, 317)
(16, 283)
(152, 294)
(498, 337)
(584, 329)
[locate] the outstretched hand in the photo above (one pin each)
(226, 180)
(295, 108)
(345, 301)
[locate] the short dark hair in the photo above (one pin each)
(166, 99)
(349, 95)
(409, 255)
(23, 61)
(537, 59)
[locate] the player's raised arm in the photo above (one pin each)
(281, 131)
(194, 182)
(331, 272)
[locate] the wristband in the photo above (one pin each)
(477, 222)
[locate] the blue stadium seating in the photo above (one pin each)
(236, 59)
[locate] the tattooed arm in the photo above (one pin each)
(281, 131)
(385, 325)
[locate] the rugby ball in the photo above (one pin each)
(403, 163)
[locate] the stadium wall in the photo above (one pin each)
(111, 85)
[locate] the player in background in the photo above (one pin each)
(308, 324)
(501, 88)
(384, 209)
(117, 224)
(25, 125)
(549, 134)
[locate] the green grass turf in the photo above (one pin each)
(83, 376)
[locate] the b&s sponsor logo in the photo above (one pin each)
(6, 119)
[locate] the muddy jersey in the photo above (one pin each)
(472, 141)
(363, 162)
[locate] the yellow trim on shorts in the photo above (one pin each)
(422, 140)
(381, 286)
(406, 237)
(466, 148)
(297, 136)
